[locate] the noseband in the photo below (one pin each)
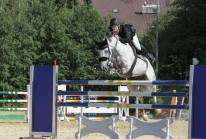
(103, 59)
(112, 63)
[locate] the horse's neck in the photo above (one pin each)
(124, 50)
(124, 53)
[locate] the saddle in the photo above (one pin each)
(137, 53)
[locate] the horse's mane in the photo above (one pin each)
(103, 44)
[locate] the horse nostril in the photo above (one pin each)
(105, 69)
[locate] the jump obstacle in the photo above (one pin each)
(68, 113)
(45, 125)
(25, 101)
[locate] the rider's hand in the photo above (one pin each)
(116, 36)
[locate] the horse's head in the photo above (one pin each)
(105, 50)
(104, 55)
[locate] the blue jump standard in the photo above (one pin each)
(163, 94)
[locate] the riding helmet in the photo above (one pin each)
(114, 21)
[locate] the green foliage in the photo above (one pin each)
(36, 32)
(66, 3)
(88, 2)
(182, 36)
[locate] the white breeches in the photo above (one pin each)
(136, 43)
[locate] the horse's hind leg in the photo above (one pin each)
(134, 88)
(150, 75)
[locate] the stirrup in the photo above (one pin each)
(153, 61)
(152, 58)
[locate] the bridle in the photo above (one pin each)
(112, 62)
(109, 58)
(115, 64)
(101, 59)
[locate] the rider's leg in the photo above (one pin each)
(136, 43)
(150, 56)
(142, 49)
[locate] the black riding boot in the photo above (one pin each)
(147, 54)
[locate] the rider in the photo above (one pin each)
(126, 35)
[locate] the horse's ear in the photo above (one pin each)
(108, 33)
(114, 32)
(111, 33)
(101, 44)
(97, 43)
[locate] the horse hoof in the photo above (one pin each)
(145, 117)
(158, 111)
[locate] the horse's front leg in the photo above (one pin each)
(158, 111)
(144, 115)
(151, 88)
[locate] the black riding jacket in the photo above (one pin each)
(124, 34)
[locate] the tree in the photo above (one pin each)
(88, 2)
(181, 38)
(66, 3)
(12, 35)
(36, 32)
